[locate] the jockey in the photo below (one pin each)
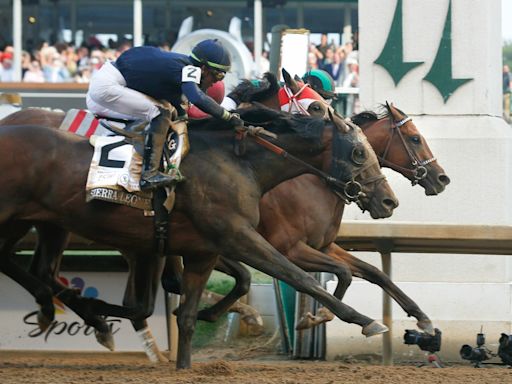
(120, 89)
(321, 82)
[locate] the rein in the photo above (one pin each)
(352, 189)
(419, 171)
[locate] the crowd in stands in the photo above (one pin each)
(61, 62)
(341, 62)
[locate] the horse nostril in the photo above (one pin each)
(443, 179)
(390, 203)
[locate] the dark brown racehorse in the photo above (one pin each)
(216, 209)
(298, 229)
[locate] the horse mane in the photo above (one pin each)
(371, 116)
(247, 91)
(260, 115)
(364, 117)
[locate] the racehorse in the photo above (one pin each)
(298, 230)
(216, 210)
(317, 226)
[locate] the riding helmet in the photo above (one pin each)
(321, 82)
(212, 54)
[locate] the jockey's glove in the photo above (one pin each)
(235, 121)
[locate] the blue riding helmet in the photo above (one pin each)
(321, 82)
(212, 54)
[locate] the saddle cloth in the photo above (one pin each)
(116, 166)
(83, 123)
(114, 173)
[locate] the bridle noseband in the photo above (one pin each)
(419, 171)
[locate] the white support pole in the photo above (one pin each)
(137, 23)
(16, 37)
(258, 28)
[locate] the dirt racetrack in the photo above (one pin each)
(222, 366)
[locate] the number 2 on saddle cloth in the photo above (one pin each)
(116, 165)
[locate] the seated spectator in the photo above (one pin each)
(34, 73)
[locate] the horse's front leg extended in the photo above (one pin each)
(144, 274)
(372, 274)
(196, 274)
(311, 260)
(246, 245)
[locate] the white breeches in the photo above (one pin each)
(108, 96)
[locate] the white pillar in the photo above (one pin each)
(17, 37)
(137, 23)
(258, 30)
(440, 62)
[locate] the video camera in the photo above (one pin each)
(426, 342)
(505, 349)
(478, 354)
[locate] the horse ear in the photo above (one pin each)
(286, 76)
(338, 120)
(297, 78)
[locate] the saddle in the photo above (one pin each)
(116, 165)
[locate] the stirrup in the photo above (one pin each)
(156, 181)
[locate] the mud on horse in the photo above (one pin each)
(196, 232)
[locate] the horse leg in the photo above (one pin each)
(247, 246)
(230, 302)
(41, 292)
(311, 260)
(196, 273)
(52, 240)
(172, 275)
(372, 274)
(141, 289)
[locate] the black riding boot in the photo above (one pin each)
(154, 142)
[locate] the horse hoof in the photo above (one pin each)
(374, 328)
(305, 322)
(426, 325)
(106, 339)
(43, 321)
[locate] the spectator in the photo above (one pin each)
(507, 80)
(328, 58)
(324, 45)
(337, 68)
(6, 69)
(34, 73)
(352, 81)
(53, 67)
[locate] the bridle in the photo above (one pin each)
(418, 171)
(352, 190)
(293, 99)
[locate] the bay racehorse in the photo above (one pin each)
(298, 228)
(216, 210)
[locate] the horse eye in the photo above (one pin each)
(359, 155)
(416, 139)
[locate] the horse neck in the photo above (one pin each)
(271, 169)
(262, 166)
(377, 133)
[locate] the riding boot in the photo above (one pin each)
(154, 142)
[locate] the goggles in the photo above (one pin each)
(219, 75)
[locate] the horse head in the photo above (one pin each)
(358, 161)
(401, 147)
(298, 97)
(339, 149)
